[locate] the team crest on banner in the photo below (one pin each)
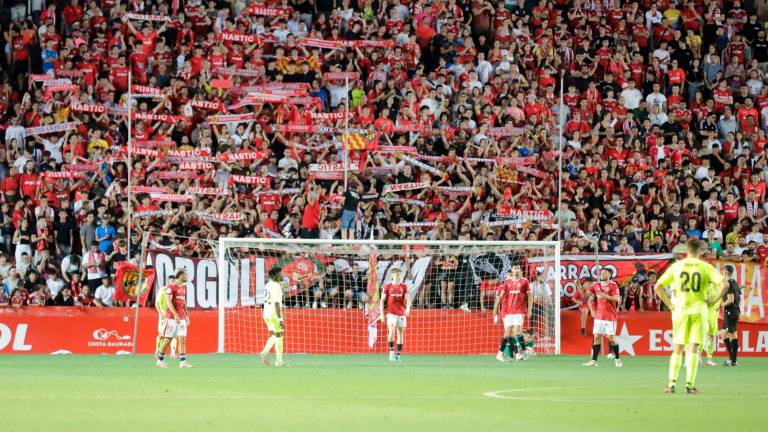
(302, 273)
(127, 283)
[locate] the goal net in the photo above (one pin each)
(333, 288)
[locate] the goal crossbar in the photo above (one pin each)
(226, 243)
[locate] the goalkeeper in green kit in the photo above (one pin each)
(689, 280)
(273, 317)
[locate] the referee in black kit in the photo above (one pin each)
(731, 316)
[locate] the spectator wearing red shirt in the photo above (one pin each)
(310, 220)
(757, 185)
(118, 75)
(29, 181)
(146, 36)
(744, 112)
(72, 13)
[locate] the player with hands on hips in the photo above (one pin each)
(515, 301)
(394, 306)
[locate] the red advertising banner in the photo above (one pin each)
(110, 331)
(78, 330)
(650, 333)
(576, 268)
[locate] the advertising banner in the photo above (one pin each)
(47, 330)
(650, 333)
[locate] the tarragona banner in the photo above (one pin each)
(753, 279)
(576, 268)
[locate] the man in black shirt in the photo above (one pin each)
(64, 229)
(760, 51)
(707, 125)
(355, 287)
(333, 285)
(751, 29)
(609, 84)
(352, 198)
(731, 316)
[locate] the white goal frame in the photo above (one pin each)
(225, 243)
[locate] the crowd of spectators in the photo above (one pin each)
(238, 127)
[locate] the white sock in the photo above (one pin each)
(279, 349)
(270, 343)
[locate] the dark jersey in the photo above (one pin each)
(733, 288)
(351, 200)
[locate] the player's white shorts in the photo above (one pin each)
(174, 328)
(396, 320)
(607, 328)
(161, 325)
(513, 320)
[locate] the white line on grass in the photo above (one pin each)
(609, 399)
(239, 397)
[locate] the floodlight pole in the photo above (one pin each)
(130, 160)
(142, 266)
(560, 162)
(345, 147)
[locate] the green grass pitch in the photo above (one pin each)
(232, 393)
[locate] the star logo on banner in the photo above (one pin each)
(626, 341)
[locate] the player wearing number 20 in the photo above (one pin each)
(394, 306)
(516, 302)
(689, 280)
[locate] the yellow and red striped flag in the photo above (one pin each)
(356, 141)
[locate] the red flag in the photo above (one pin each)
(373, 295)
(127, 280)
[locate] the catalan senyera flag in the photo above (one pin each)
(127, 281)
(356, 141)
(373, 295)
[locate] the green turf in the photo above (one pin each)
(228, 393)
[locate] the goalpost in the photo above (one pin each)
(331, 306)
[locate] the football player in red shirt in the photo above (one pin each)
(515, 301)
(161, 306)
(603, 301)
(581, 298)
(176, 319)
(395, 305)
